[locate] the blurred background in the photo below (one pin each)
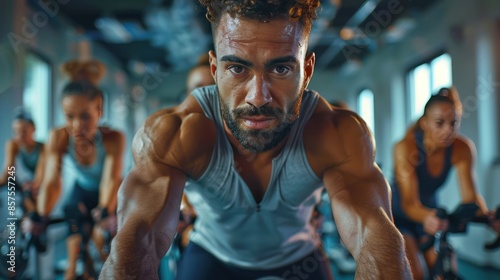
(384, 58)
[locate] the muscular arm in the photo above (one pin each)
(111, 177)
(148, 205)
(10, 155)
(360, 200)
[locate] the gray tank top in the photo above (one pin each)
(230, 224)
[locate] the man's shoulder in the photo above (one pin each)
(336, 121)
(187, 117)
(177, 135)
(333, 134)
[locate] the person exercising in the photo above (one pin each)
(423, 160)
(27, 156)
(95, 154)
(257, 149)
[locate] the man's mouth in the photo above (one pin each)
(258, 122)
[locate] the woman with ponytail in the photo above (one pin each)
(423, 160)
(95, 154)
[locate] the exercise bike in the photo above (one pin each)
(15, 253)
(15, 246)
(445, 267)
(81, 223)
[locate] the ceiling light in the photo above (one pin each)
(112, 30)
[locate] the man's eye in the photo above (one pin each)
(236, 69)
(281, 69)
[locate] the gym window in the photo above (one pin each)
(366, 108)
(426, 79)
(36, 95)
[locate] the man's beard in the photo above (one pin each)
(260, 140)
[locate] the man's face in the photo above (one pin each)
(261, 70)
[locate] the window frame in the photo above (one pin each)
(409, 94)
(50, 85)
(373, 125)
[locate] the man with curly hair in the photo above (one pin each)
(257, 148)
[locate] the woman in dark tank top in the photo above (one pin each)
(422, 161)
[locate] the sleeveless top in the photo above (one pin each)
(88, 177)
(25, 163)
(230, 224)
(428, 184)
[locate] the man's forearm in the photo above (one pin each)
(140, 265)
(135, 256)
(384, 257)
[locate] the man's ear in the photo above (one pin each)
(309, 68)
(212, 58)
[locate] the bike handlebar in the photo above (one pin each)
(458, 221)
(38, 241)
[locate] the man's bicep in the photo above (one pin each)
(150, 195)
(356, 145)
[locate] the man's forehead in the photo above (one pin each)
(276, 30)
(259, 41)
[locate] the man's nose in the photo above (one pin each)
(258, 94)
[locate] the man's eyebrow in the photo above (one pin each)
(280, 60)
(233, 58)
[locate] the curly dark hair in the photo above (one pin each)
(302, 10)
